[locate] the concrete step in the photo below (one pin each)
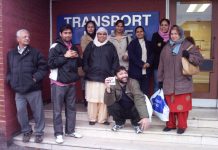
(90, 143)
(203, 118)
(201, 136)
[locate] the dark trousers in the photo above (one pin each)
(59, 95)
(120, 114)
(144, 83)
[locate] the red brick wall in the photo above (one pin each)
(32, 15)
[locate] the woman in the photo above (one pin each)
(100, 61)
(140, 59)
(121, 40)
(90, 29)
(176, 86)
(159, 39)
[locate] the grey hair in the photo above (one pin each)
(18, 33)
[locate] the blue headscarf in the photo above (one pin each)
(176, 44)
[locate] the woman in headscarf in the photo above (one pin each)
(100, 60)
(140, 59)
(176, 86)
(159, 39)
(90, 29)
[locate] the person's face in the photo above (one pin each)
(102, 36)
(90, 28)
(174, 35)
(164, 26)
(24, 38)
(66, 35)
(119, 28)
(122, 76)
(140, 33)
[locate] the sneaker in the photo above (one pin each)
(137, 129)
(38, 138)
(27, 136)
(117, 127)
(75, 135)
(59, 139)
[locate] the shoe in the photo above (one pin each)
(92, 123)
(38, 138)
(117, 127)
(106, 123)
(180, 131)
(166, 129)
(59, 139)
(27, 136)
(137, 129)
(75, 135)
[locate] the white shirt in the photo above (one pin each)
(144, 53)
(20, 50)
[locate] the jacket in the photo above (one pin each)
(64, 70)
(135, 58)
(157, 46)
(121, 47)
(22, 68)
(100, 62)
(85, 40)
(133, 92)
(170, 69)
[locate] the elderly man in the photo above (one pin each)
(26, 69)
(125, 100)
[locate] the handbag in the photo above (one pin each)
(187, 67)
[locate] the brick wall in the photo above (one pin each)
(34, 16)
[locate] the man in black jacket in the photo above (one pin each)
(64, 62)
(26, 69)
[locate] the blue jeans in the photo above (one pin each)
(156, 86)
(35, 101)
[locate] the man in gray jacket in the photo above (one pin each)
(125, 100)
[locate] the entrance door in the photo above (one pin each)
(198, 20)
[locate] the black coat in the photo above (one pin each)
(100, 62)
(135, 58)
(22, 68)
(157, 46)
(65, 68)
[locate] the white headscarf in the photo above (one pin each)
(96, 42)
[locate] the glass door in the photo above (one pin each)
(196, 18)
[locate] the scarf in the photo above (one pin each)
(96, 42)
(164, 35)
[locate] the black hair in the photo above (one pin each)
(119, 21)
(164, 19)
(94, 33)
(139, 27)
(66, 27)
(190, 39)
(120, 68)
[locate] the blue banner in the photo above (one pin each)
(149, 20)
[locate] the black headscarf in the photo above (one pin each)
(92, 35)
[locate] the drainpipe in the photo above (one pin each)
(167, 15)
(50, 4)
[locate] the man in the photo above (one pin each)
(64, 62)
(126, 101)
(26, 69)
(121, 40)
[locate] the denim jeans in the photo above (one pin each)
(59, 95)
(35, 101)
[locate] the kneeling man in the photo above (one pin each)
(125, 100)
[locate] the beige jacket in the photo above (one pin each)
(133, 92)
(85, 41)
(170, 69)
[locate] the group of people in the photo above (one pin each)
(104, 57)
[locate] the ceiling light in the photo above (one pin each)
(191, 8)
(203, 7)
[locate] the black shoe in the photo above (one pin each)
(27, 136)
(38, 138)
(106, 123)
(91, 123)
(166, 129)
(180, 131)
